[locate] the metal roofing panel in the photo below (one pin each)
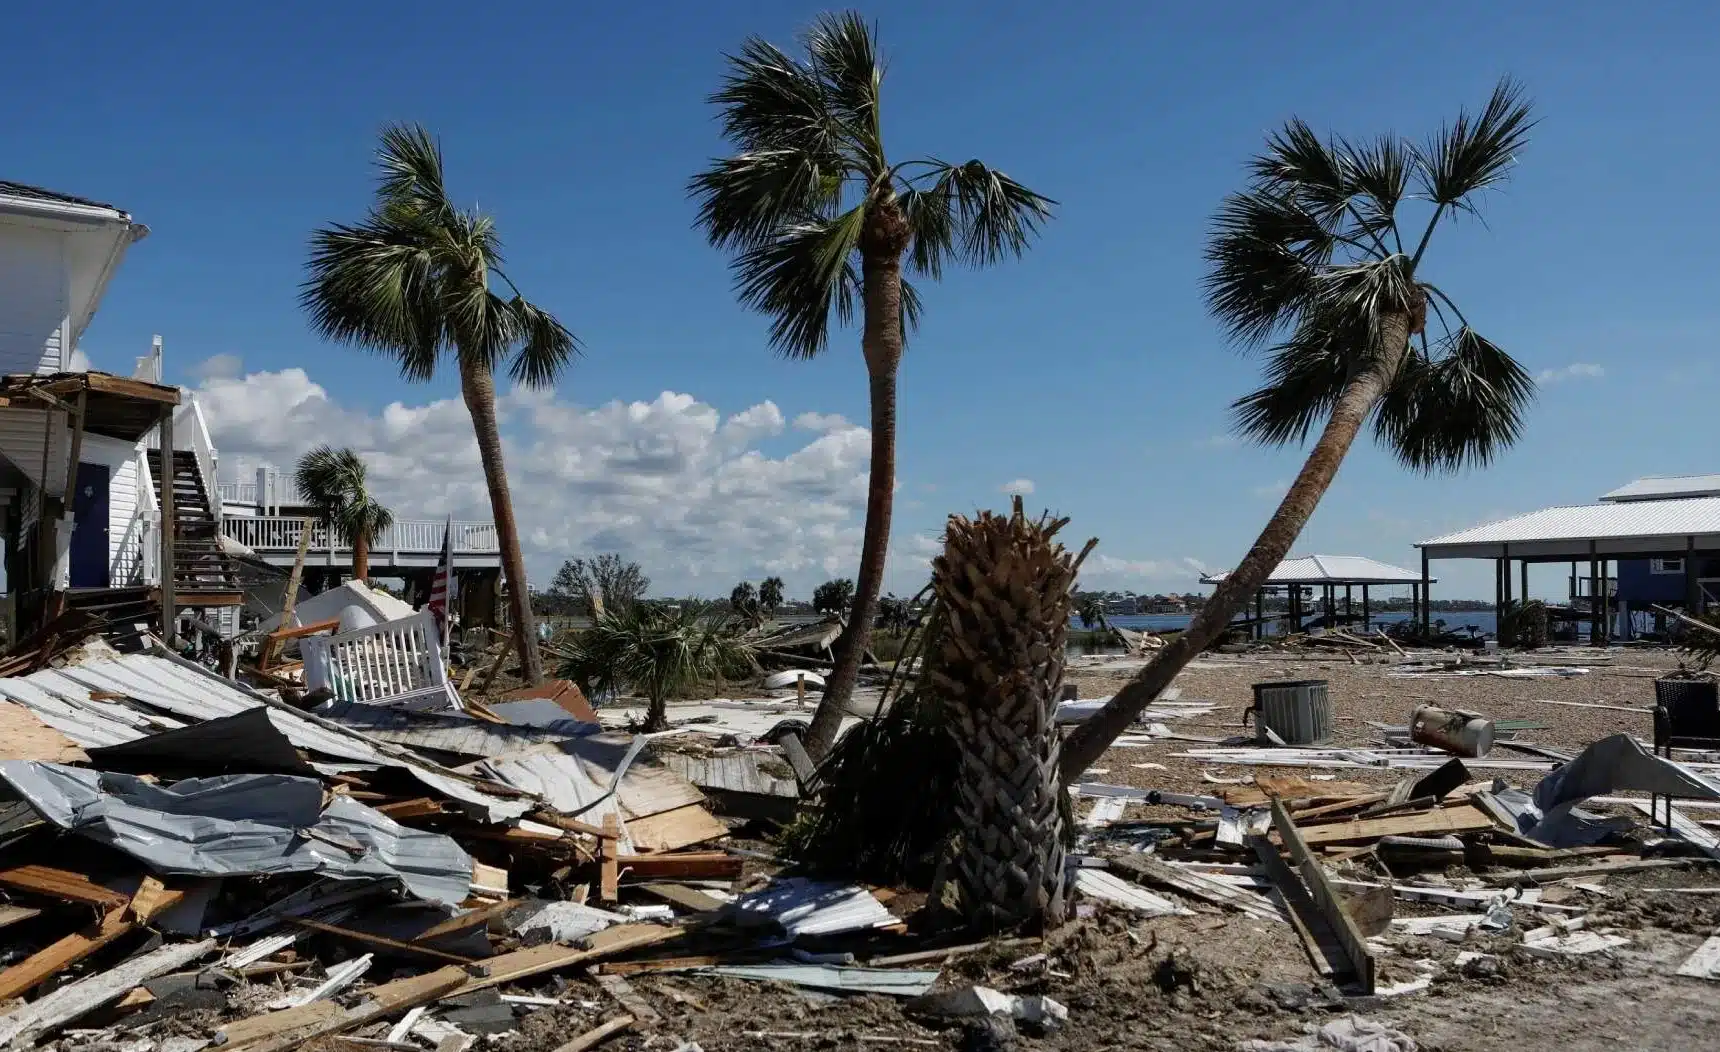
(156, 684)
(1672, 519)
(1665, 487)
(1332, 569)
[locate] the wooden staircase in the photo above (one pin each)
(203, 575)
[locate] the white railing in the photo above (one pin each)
(201, 443)
(398, 663)
(239, 493)
(268, 533)
(150, 516)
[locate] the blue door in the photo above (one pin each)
(90, 527)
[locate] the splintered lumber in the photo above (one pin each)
(57, 957)
(685, 865)
(414, 808)
(491, 881)
(20, 1027)
(687, 898)
(597, 1035)
(1326, 897)
(675, 828)
(153, 898)
(411, 948)
(609, 888)
(469, 919)
(62, 884)
(628, 998)
(380, 1003)
(1195, 885)
(1459, 819)
(281, 635)
(1547, 876)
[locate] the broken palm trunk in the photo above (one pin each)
(1005, 586)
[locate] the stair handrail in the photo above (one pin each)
(203, 445)
(150, 508)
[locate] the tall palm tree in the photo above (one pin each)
(770, 594)
(657, 650)
(333, 482)
(819, 220)
(1313, 255)
(1005, 585)
(415, 280)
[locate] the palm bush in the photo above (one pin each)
(657, 650)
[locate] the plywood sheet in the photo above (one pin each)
(23, 736)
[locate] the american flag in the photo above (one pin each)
(442, 586)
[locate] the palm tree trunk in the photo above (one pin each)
(1004, 585)
(478, 388)
(1349, 413)
(882, 344)
(656, 714)
(360, 556)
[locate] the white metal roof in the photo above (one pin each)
(1666, 487)
(1332, 569)
(1628, 527)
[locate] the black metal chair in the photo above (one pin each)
(1686, 716)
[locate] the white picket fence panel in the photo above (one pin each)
(397, 663)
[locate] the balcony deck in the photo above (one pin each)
(408, 544)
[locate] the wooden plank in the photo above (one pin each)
(62, 884)
(1460, 819)
(281, 635)
(153, 898)
(381, 1002)
(20, 1027)
(609, 887)
(536, 960)
(805, 771)
(1304, 916)
(10, 915)
(414, 808)
(1195, 885)
(57, 957)
(1547, 876)
(1325, 896)
(597, 1035)
(685, 865)
(469, 919)
(672, 830)
(626, 935)
(684, 897)
(662, 964)
(489, 880)
(23, 736)
(1705, 962)
(409, 948)
(628, 998)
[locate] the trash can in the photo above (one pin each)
(1299, 711)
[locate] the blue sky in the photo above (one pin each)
(1089, 367)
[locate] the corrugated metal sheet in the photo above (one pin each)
(1664, 487)
(165, 693)
(1332, 569)
(242, 825)
(445, 733)
(812, 907)
(1671, 519)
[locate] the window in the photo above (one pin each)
(1666, 566)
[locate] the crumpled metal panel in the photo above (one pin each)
(166, 694)
(813, 907)
(242, 825)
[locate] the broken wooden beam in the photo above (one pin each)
(1326, 897)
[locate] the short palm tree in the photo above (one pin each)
(1091, 610)
(1312, 259)
(415, 280)
(333, 483)
(744, 603)
(657, 650)
(819, 221)
(1005, 588)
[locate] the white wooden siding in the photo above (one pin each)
(34, 298)
(125, 521)
(22, 432)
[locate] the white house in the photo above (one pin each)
(80, 467)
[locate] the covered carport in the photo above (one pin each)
(1325, 574)
(1590, 538)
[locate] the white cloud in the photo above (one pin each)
(1573, 371)
(671, 482)
(219, 367)
(1018, 488)
(1102, 570)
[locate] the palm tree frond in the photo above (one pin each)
(1363, 294)
(769, 101)
(1459, 409)
(845, 57)
(374, 285)
(1296, 165)
(545, 346)
(1379, 171)
(1304, 376)
(931, 218)
(991, 216)
(1265, 253)
(410, 160)
(743, 199)
(910, 310)
(1475, 153)
(796, 277)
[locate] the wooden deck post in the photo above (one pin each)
(1523, 593)
(1426, 621)
(1365, 613)
(169, 531)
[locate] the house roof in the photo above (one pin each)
(39, 193)
(1332, 569)
(1665, 487)
(1627, 527)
